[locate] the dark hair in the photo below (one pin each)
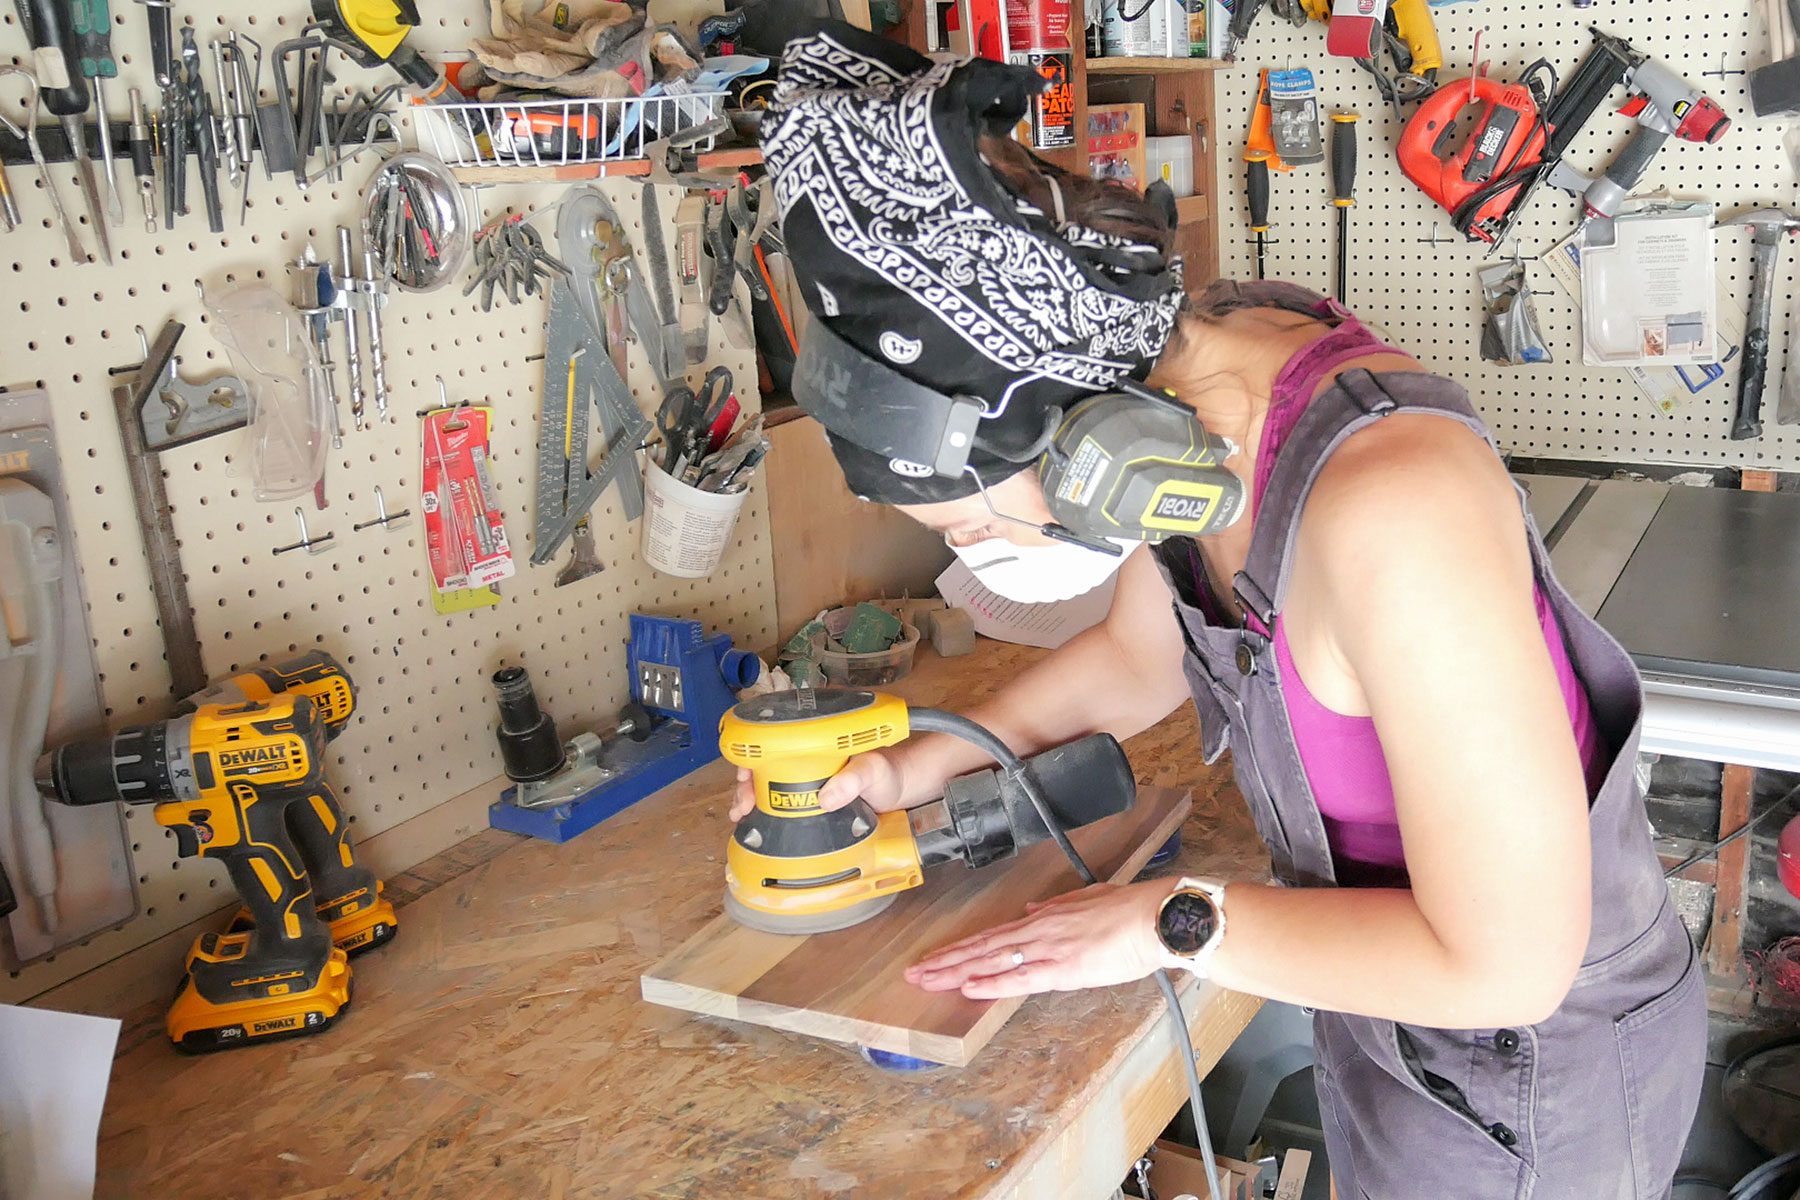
(1104, 205)
(1108, 206)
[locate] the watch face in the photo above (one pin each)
(1187, 922)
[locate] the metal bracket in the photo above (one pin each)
(382, 517)
(1722, 73)
(191, 411)
(307, 542)
(583, 773)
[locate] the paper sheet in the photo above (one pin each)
(1647, 295)
(1046, 625)
(1670, 389)
(52, 1086)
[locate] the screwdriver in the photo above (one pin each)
(1343, 192)
(93, 41)
(47, 28)
(1257, 180)
(1260, 154)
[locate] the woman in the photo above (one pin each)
(1436, 744)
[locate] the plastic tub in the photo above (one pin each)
(863, 670)
(686, 530)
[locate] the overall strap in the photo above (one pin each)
(1358, 398)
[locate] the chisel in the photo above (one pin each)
(52, 37)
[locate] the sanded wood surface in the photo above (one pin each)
(499, 1046)
(847, 985)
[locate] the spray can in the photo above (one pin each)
(1145, 29)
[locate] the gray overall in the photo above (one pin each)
(1595, 1102)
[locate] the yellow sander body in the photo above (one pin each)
(791, 866)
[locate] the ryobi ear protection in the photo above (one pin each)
(1134, 463)
(1137, 464)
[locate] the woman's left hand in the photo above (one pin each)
(1100, 935)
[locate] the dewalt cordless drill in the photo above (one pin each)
(347, 894)
(223, 777)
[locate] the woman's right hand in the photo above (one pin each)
(875, 776)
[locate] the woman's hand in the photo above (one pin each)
(1100, 935)
(875, 776)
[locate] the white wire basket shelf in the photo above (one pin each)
(563, 132)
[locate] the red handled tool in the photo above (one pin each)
(1480, 178)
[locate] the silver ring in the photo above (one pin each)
(1018, 958)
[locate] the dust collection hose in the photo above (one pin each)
(936, 720)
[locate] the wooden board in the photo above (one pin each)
(1137, 65)
(1725, 942)
(847, 986)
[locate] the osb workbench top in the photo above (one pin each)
(497, 1048)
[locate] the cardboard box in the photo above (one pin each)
(1177, 1171)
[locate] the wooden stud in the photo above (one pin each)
(1757, 481)
(1725, 941)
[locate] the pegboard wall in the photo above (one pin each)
(424, 727)
(1425, 297)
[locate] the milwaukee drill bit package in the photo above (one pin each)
(465, 534)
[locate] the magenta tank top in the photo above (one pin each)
(1342, 755)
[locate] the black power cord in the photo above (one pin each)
(1780, 805)
(933, 720)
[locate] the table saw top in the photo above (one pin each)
(1695, 582)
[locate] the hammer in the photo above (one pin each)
(1768, 224)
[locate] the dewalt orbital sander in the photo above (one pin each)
(223, 778)
(793, 867)
(347, 894)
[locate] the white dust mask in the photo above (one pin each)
(1040, 574)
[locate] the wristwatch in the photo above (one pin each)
(1190, 923)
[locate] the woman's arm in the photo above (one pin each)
(1120, 677)
(1424, 565)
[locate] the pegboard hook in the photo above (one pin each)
(307, 542)
(382, 516)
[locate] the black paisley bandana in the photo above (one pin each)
(911, 249)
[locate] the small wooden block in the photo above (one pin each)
(952, 632)
(917, 613)
(1295, 1166)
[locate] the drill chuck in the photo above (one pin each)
(140, 765)
(529, 747)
